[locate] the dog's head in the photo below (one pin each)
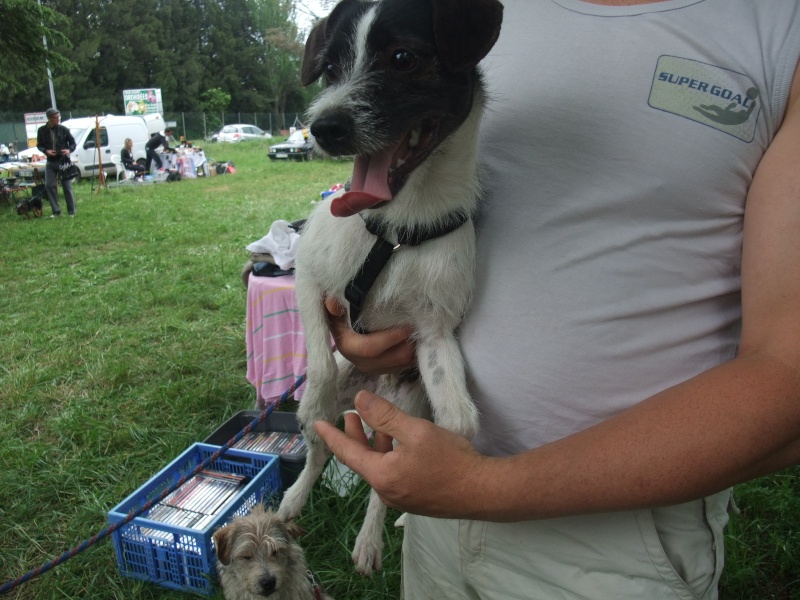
(400, 78)
(257, 555)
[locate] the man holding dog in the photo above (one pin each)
(634, 344)
(56, 142)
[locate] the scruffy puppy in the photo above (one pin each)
(404, 97)
(257, 557)
(30, 206)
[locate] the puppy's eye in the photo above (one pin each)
(246, 557)
(329, 71)
(403, 60)
(274, 552)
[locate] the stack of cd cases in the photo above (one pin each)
(279, 434)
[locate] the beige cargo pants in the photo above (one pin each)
(671, 553)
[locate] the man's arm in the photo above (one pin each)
(41, 141)
(71, 144)
(737, 421)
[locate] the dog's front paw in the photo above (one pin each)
(463, 421)
(367, 553)
(291, 505)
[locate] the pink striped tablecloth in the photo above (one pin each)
(276, 343)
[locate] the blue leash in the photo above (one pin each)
(7, 587)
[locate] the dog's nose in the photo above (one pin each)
(333, 131)
(267, 584)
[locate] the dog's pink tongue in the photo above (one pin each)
(368, 186)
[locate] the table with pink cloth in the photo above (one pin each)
(276, 343)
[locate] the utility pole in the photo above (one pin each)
(49, 74)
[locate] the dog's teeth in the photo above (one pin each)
(398, 164)
(413, 138)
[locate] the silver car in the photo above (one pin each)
(241, 132)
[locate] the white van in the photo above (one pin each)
(112, 130)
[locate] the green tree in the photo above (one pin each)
(248, 49)
(24, 58)
(214, 102)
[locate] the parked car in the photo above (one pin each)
(241, 132)
(297, 146)
(213, 136)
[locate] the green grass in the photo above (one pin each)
(123, 343)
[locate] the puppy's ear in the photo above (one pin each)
(222, 542)
(312, 55)
(294, 530)
(465, 31)
(317, 41)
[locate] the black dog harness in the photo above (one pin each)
(382, 250)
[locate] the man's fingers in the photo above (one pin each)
(333, 307)
(380, 414)
(354, 428)
(351, 453)
(382, 442)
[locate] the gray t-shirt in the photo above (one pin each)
(619, 145)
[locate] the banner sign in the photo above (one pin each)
(143, 102)
(32, 123)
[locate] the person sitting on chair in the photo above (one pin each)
(126, 154)
(154, 142)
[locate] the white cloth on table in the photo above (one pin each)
(280, 242)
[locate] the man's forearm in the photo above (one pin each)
(732, 423)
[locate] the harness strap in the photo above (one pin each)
(414, 236)
(380, 253)
(358, 288)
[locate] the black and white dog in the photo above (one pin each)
(405, 97)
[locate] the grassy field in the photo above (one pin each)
(123, 343)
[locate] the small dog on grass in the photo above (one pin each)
(30, 206)
(258, 557)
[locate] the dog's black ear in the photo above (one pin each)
(465, 31)
(222, 544)
(318, 40)
(312, 60)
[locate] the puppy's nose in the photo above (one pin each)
(333, 131)
(267, 584)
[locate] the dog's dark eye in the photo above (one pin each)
(403, 60)
(246, 557)
(329, 70)
(274, 552)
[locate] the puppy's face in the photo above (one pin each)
(400, 77)
(256, 553)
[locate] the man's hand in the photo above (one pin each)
(379, 352)
(431, 471)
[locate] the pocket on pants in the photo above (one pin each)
(686, 544)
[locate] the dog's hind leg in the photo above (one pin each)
(442, 368)
(408, 395)
(320, 400)
(369, 543)
(296, 496)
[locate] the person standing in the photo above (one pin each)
(154, 142)
(56, 143)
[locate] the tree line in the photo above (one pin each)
(204, 55)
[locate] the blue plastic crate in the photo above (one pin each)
(178, 557)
